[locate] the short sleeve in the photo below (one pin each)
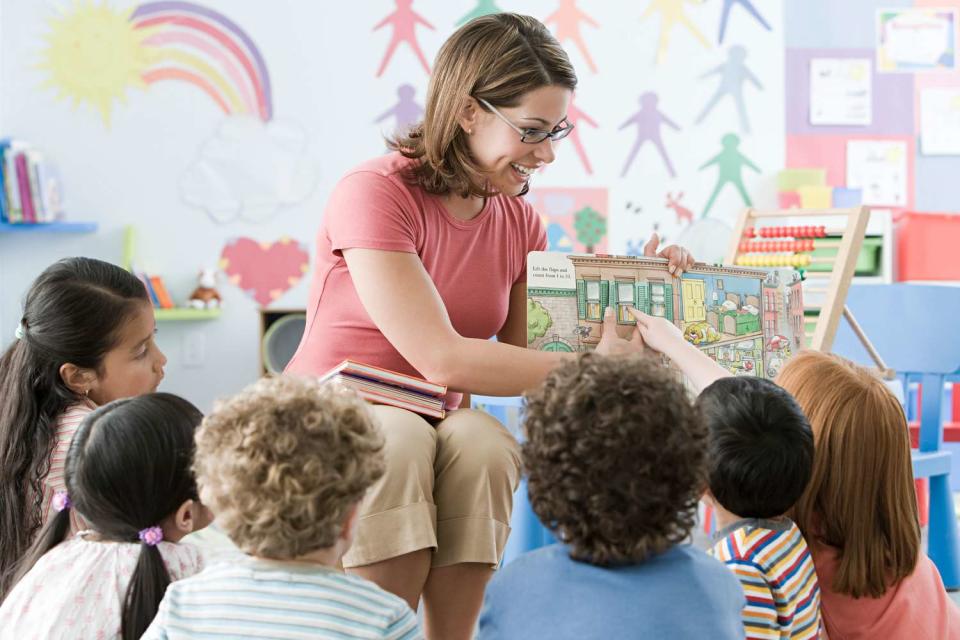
(368, 210)
(404, 627)
(760, 616)
(536, 237)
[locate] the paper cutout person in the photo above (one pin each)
(746, 4)
(407, 112)
(568, 17)
(672, 13)
(404, 21)
(733, 74)
(730, 163)
(649, 120)
(483, 8)
(574, 116)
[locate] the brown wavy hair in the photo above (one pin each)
(497, 58)
(615, 457)
(860, 499)
(282, 463)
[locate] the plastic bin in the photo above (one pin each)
(868, 262)
(927, 245)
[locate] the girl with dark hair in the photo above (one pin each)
(128, 474)
(85, 339)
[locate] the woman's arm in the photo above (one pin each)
(514, 329)
(401, 299)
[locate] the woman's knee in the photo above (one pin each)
(408, 438)
(477, 440)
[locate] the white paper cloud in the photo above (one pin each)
(249, 169)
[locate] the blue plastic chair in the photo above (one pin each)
(913, 327)
(527, 533)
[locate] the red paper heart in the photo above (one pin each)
(264, 270)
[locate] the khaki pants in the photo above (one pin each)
(447, 487)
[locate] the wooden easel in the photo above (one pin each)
(833, 284)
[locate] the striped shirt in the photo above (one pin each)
(258, 598)
(67, 424)
(776, 571)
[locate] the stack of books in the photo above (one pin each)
(29, 185)
(382, 386)
(159, 296)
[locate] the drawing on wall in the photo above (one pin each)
(566, 20)
(483, 8)
(404, 22)
(406, 112)
(264, 270)
(649, 121)
(916, 39)
(574, 117)
(254, 164)
(576, 219)
(841, 91)
(733, 74)
(730, 163)
(748, 7)
(745, 319)
(879, 168)
(683, 214)
(672, 13)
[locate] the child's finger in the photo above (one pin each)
(641, 318)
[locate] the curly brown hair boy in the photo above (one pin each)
(616, 457)
(616, 463)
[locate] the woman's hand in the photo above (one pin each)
(611, 344)
(680, 259)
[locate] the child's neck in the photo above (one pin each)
(327, 557)
(726, 518)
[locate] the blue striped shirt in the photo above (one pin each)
(257, 598)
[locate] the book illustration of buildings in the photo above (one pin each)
(742, 318)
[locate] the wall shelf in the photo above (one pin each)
(183, 314)
(49, 227)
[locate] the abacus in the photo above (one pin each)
(753, 245)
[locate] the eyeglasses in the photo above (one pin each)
(531, 136)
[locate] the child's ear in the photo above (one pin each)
(78, 379)
(191, 516)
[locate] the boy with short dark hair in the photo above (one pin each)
(760, 460)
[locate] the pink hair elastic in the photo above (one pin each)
(151, 536)
(61, 501)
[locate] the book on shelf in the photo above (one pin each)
(29, 185)
(382, 386)
(160, 289)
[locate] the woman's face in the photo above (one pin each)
(497, 147)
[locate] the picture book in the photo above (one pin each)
(382, 386)
(748, 320)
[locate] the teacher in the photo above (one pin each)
(421, 258)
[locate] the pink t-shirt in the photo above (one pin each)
(917, 607)
(473, 263)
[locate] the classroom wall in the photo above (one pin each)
(140, 141)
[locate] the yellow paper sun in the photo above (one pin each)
(93, 54)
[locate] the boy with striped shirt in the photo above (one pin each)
(284, 465)
(760, 460)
